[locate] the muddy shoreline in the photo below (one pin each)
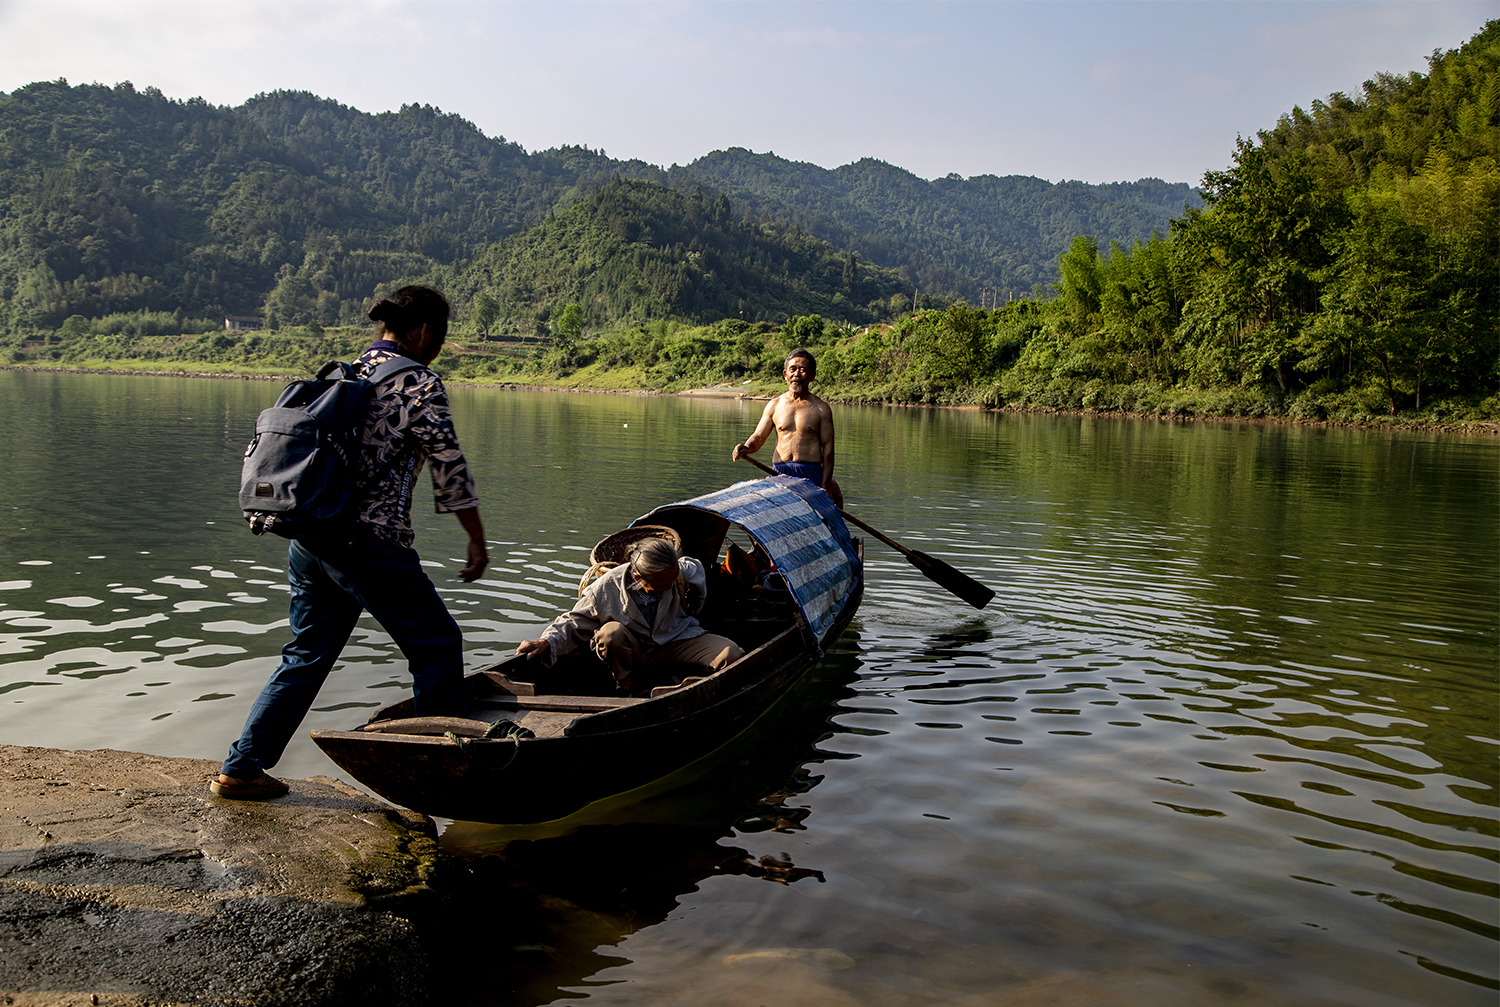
(123, 881)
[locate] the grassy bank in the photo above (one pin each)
(1000, 359)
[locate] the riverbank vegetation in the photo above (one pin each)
(1344, 267)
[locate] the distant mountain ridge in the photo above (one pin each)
(117, 200)
(950, 235)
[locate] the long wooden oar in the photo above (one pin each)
(955, 582)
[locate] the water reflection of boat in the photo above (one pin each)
(561, 898)
(586, 746)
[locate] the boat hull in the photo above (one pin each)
(588, 748)
(544, 779)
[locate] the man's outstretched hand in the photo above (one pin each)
(533, 649)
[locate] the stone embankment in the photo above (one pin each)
(124, 882)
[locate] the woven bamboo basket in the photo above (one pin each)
(614, 549)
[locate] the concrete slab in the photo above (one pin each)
(123, 881)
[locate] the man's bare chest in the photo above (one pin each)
(795, 416)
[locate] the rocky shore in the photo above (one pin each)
(124, 882)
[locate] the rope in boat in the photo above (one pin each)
(500, 730)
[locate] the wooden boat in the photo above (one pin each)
(588, 745)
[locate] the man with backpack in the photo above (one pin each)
(362, 558)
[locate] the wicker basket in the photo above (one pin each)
(614, 549)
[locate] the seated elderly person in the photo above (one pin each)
(638, 617)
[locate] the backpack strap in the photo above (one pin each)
(383, 370)
(390, 368)
(345, 372)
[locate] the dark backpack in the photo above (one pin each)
(298, 476)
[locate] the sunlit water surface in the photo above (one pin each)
(1227, 733)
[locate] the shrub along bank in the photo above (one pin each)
(1018, 356)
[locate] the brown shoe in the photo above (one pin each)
(263, 786)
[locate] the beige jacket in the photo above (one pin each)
(608, 600)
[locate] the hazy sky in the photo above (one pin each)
(1097, 91)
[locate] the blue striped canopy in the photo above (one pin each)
(799, 528)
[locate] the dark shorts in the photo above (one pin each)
(811, 471)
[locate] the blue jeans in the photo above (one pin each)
(332, 582)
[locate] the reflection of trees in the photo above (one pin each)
(1283, 560)
(538, 913)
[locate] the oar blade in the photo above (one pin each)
(961, 585)
(955, 582)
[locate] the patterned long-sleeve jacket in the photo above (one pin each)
(408, 422)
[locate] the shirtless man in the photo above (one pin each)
(804, 429)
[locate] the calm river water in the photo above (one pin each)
(1227, 733)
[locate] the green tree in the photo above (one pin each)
(1258, 249)
(74, 326)
(486, 310)
(804, 330)
(1078, 288)
(567, 326)
(1391, 307)
(1141, 298)
(956, 347)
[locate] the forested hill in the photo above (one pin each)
(634, 250)
(451, 188)
(1347, 262)
(118, 200)
(950, 235)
